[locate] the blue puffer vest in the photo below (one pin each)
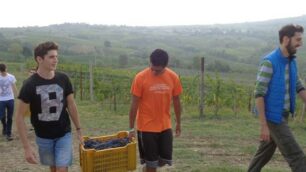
(275, 96)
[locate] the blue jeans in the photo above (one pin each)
(55, 152)
(6, 116)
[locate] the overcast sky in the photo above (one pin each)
(16, 13)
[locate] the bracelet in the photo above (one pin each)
(132, 130)
(78, 128)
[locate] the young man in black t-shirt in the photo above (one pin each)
(49, 96)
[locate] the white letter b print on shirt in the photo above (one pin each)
(51, 102)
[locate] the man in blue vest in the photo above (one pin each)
(275, 91)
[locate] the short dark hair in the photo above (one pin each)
(159, 57)
(42, 49)
(2, 67)
(289, 31)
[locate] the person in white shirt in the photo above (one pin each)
(7, 91)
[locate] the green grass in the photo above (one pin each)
(214, 144)
(226, 143)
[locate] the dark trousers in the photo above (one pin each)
(6, 115)
(281, 137)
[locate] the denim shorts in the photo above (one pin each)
(55, 152)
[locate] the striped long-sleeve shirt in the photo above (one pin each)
(263, 79)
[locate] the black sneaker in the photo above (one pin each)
(9, 138)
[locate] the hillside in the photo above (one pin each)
(227, 48)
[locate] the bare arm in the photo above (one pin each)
(73, 112)
(15, 90)
(21, 128)
(177, 110)
(133, 112)
(265, 133)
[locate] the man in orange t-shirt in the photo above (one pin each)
(152, 90)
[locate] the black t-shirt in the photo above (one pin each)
(48, 104)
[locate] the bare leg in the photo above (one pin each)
(148, 169)
(62, 169)
(52, 169)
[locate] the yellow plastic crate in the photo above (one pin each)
(119, 159)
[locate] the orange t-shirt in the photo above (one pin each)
(155, 93)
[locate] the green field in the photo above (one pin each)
(216, 144)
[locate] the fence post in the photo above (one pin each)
(91, 82)
(81, 84)
(114, 92)
(250, 101)
(75, 73)
(201, 107)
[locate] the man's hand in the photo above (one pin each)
(264, 133)
(30, 156)
(132, 134)
(80, 136)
